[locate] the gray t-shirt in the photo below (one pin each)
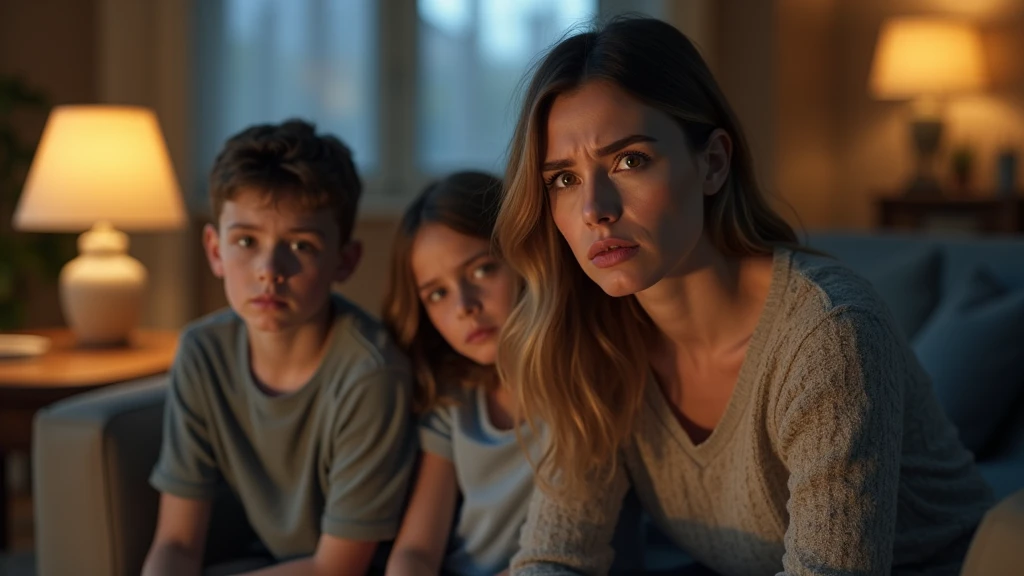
(496, 485)
(333, 457)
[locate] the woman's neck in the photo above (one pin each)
(712, 302)
(284, 361)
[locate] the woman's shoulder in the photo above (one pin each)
(821, 289)
(833, 326)
(820, 304)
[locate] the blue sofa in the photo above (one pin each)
(921, 277)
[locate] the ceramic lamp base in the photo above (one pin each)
(101, 291)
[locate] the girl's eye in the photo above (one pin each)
(562, 180)
(435, 296)
(246, 241)
(631, 160)
(483, 270)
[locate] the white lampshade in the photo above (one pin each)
(100, 163)
(918, 56)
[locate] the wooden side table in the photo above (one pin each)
(972, 215)
(28, 384)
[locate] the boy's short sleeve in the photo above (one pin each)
(186, 466)
(373, 458)
(436, 432)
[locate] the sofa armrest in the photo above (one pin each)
(95, 512)
(996, 548)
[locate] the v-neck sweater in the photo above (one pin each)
(833, 455)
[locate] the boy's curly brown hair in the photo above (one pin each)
(289, 162)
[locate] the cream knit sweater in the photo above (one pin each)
(833, 456)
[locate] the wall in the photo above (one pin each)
(823, 146)
(839, 149)
(51, 45)
(805, 112)
(773, 62)
(143, 59)
(747, 69)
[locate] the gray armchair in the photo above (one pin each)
(95, 511)
(92, 454)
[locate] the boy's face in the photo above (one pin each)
(277, 262)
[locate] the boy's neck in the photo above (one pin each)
(283, 362)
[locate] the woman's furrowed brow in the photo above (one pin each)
(601, 152)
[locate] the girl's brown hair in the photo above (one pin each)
(579, 356)
(467, 203)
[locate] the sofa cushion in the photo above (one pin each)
(908, 282)
(971, 350)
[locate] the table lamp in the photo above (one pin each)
(99, 167)
(926, 60)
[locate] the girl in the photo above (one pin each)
(449, 297)
(674, 337)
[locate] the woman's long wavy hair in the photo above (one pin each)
(580, 356)
(467, 203)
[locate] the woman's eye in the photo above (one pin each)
(562, 180)
(631, 161)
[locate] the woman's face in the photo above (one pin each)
(625, 189)
(466, 291)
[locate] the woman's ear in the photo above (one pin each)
(717, 157)
(211, 245)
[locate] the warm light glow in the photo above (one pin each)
(926, 57)
(100, 163)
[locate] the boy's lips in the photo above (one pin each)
(268, 301)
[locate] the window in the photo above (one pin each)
(269, 60)
(471, 60)
(417, 88)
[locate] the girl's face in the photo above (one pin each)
(625, 189)
(466, 291)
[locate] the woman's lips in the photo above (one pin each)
(614, 255)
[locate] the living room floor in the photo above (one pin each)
(19, 560)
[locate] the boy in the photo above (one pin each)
(293, 397)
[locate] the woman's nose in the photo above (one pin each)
(602, 204)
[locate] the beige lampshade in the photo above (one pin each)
(918, 56)
(100, 163)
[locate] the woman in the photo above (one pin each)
(448, 300)
(674, 337)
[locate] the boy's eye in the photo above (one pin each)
(246, 241)
(303, 246)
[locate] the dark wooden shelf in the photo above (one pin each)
(979, 215)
